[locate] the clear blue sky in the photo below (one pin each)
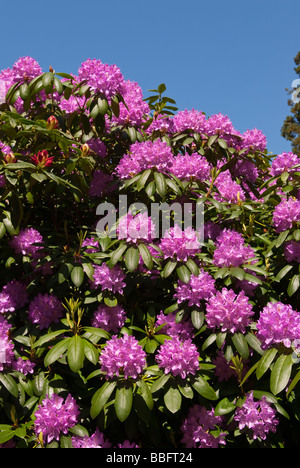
(235, 57)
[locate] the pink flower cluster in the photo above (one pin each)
(180, 244)
(278, 323)
(123, 356)
(110, 319)
(55, 416)
(231, 249)
(199, 288)
(26, 241)
(45, 309)
(136, 227)
(199, 428)
(286, 214)
(178, 357)
(109, 278)
(257, 416)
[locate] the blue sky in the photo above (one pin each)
(235, 57)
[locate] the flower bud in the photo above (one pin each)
(42, 159)
(10, 158)
(52, 122)
(85, 149)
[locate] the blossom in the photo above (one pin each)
(91, 244)
(128, 444)
(192, 120)
(245, 170)
(134, 109)
(108, 318)
(25, 366)
(180, 244)
(25, 242)
(178, 357)
(42, 159)
(199, 428)
(101, 183)
(102, 78)
(228, 188)
(292, 251)
(259, 416)
(55, 416)
(97, 440)
(122, 356)
(286, 214)
(190, 166)
(231, 249)
(228, 311)
(134, 228)
(109, 278)
(25, 69)
(223, 370)
(45, 309)
(252, 140)
(6, 345)
(221, 125)
(284, 162)
(182, 330)
(278, 323)
(200, 287)
(13, 296)
(161, 124)
(145, 155)
(97, 146)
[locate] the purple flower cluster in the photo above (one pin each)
(134, 228)
(228, 311)
(190, 166)
(284, 162)
(193, 121)
(13, 296)
(178, 357)
(228, 188)
(257, 416)
(253, 140)
(292, 251)
(44, 310)
(199, 288)
(102, 78)
(6, 345)
(96, 440)
(286, 214)
(180, 244)
(231, 249)
(110, 319)
(278, 323)
(199, 429)
(101, 183)
(182, 330)
(25, 242)
(55, 416)
(145, 155)
(123, 356)
(135, 109)
(109, 278)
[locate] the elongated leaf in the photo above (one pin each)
(161, 185)
(183, 273)
(160, 382)
(75, 353)
(6, 435)
(56, 352)
(146, 256)
(90, 351)
(293, 285)
(281, 373)
(241, 344)
(48, 337)
(9, 383)
(101, 397)
(77, 276)
(123, 402)
(132, 258)
(146, 393)
(203, 388)
(173, 399)
(265, 362)
(224, 407)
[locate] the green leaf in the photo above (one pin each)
(143, 179)
(241, 344)
(75, 353)
(224, 407)
(123, 402)
(48, 337)
(98, 332)
(117, 254)
(132, 258)
(146, 256)
(293, 285)
(146, 393)
(281, 373)
(204, 389)
(6, 435)
(161, 185)
(101, 397)
(24, 91)
(173, 399)
(265, 362)
(90, 351)
(160, 382)
(56, 352)
(284, 271)
(186, 390)
(77, 276)
(183, 273)
(9, 383)
(169, 268)
(197, 318)
(238, 273)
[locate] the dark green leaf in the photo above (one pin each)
(101, 397)
(265, 362)
(123, 402)
(75, 353)
(173, 399)
(77, 276)
(132, 258)
(281, 373)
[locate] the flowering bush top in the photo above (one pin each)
(123, 329)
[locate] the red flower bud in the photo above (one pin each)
(42, 159)
(52, 122)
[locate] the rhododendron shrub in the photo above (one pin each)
(119, 330)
